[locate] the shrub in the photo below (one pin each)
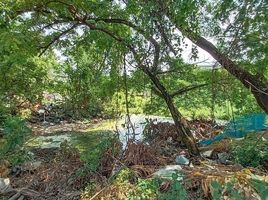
(4, 113)
(218, 190)
(250, 151)
(15, 132)
(93, 158)
(125, 175)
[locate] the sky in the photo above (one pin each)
(204, 58)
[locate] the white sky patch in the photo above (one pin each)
(204, 58)
(61, 58)
(79, 30)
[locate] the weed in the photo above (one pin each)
(145, 189)
(261, 187)
(89, 190)
(250, 151)
(125, 175)
(15, 132)
(93, 157)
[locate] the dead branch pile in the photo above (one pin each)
(204, 175)
(56, 178)
(160, 131)
(143, 171)
(204, 129)
(142, 154)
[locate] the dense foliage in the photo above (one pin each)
(15, 132)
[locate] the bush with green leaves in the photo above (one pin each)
(261, 187)
(93, 158)
(15, 131)
(218, 190)
(4, 113)
(124, 175)
(250, 151)
(231, 190)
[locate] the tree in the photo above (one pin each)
(144, 49)
(150, 33)
(243, 33)
(23, 75)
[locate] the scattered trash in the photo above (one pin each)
(167, 172)
(223, 158)
(207, 154)
(161, 156)
(5, 186)
(182, 160)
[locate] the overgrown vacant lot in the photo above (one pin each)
(133, 99)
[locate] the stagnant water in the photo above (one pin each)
(123, 127)
(127, 130)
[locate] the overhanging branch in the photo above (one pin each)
(187, 89)
(55, 39)
(138, 29)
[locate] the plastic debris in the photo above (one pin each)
(167, 172)
(207, 154)
(182, 160)
(223, 158)
(5, 186)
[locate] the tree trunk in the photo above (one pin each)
(250, 81)
(181, 124)
(182, 127)
(253, 83)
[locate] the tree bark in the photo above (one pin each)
(181, 124)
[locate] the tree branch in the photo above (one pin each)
(168, 72)
(108, 32)
(138, 29)
(165, 37)
(156, 91)
(55, 39)
(187, 89)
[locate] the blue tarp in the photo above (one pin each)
(240, 127)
